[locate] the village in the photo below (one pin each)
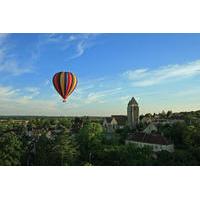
(150, 135)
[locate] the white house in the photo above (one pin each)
(156, 141)
(114, 122)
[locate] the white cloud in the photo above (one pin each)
(81, 46)
(82, 42)
(101, 96)
(125, 98)
(32, 89)
(8, 92)
(188, 92)
(12, 67)
(32, 92)
(8, 63)
(94, 98)
(136, 74)
(25, 106)
(147, 77)
(12, 101)
(53, 37)
(76, 42)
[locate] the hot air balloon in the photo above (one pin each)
(64, 83)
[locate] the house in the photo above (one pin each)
(150, 137)
(111, 124)
(150, 129)
(121, 120)
(156, 141)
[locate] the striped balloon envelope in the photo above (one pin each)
(64, 83)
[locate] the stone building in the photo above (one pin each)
(114, 122)
(133, 113)
(111, 124)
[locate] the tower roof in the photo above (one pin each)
(132, 101)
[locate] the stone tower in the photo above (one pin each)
(133, 113)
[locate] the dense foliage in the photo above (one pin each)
(44, 141)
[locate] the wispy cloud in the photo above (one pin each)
(13, 68)
(146, 77)
(8, 63)
(94, 97)
(32, 92)
(77, 43)
(25, 106)
(188, 92)
(125, 98)
(8, 92)
(92, 94)
(82, 42)
(101, 96)
(80, 49)
(13, 101)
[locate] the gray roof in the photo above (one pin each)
(108, 119)
(132, 101)
(121, 119)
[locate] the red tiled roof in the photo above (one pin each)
(149, 138)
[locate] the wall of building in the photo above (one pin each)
(110, 127)
(133, 115)
(155, 147)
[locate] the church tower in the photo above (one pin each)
(133, 113)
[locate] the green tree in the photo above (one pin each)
(77, 124)
(42, 151)
(64, 122)
(184, 158)
(123, 155)
(10, 149)
(90, 140)
(64, 151)
(164, 158)
(176, 133)
(192, 136)
(122, 134)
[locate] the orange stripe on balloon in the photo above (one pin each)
(74, 82)
(62, 83)
(69, 83)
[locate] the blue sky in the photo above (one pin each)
(162, 71)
